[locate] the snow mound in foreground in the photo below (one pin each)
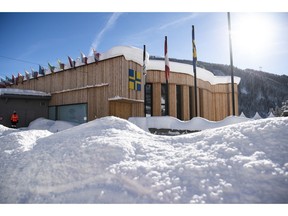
(110, 160)
(50, 125)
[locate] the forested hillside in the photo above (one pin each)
(258, 91)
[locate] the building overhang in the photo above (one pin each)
(125, 100)
(24, 94)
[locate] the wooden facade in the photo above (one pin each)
(103, 87)
(214, 101)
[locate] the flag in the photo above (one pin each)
(52, 68)
(13, 79)
(194, 48)
(167, 67)
(8, 80)
(5, 82)
(20, 78)
(71, 62)
(2, 82)
(34, 73)
(134, 80)
(61, 65)
(83, 58)
(41, 70)
(96, 55)
(27, 74)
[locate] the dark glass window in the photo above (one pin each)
(163, 99)
(73, 113)
(52, 113)
(191, 102)
(148, 99)
(179, 101)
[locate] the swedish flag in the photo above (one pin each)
(134, 80)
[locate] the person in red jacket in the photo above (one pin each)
(14, 119)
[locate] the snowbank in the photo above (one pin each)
(111, 160)
(195, 124)
(50, 125)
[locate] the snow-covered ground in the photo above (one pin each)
(111, 160)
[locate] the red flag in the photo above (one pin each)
(167, 68)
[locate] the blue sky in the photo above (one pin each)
(28, 39)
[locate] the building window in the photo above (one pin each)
(148, 99)
(179, 101)
(73, 113)
(52, 113)
(191, 104)
(163, 99)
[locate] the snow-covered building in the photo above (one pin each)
(114, 84)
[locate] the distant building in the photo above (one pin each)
(28, 104)
(114, 85)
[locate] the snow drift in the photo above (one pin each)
(111, 160)
(195, 124)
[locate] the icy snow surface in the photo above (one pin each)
(111, 160)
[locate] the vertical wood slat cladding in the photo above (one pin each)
(185, 103)
(79, 85)
(172, 100)
(156, 99)
(213, 100)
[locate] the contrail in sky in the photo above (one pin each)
(108, 26)
(179, 21)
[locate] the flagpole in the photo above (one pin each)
(167, 72)
(231, 65)
(145, 77)
(167, 98)
(194, 71)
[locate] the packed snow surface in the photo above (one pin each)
(111, 160)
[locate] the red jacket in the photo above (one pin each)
(14, 117)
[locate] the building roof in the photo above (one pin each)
(135, 54)
(21, 93)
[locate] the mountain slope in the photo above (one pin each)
(258, 91)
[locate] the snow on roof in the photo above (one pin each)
(136, 54)
(203, 74)
(13, 91)
(130, 53)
